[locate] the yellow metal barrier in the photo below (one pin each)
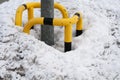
(30, 6)
(67, 22)
(79, 26)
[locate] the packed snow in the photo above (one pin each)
(95, 54)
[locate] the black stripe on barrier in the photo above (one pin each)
(79, 32)
(67, 46)
(24, 6)
(77, 14)
(48, 21)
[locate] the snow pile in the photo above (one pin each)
(95, 54)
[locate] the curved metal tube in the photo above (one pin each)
(67, 22)
(30, 6)
(56, 22)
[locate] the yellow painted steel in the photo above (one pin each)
(18, 16)
(62, 9)
(31, 6)
(68, 33)
(67, 22)
(79, 25)
(56, 5)
(31, 23)
(30, 13)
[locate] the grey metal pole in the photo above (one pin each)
(1, 1)
(47, 31)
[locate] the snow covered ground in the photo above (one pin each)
(95, 54)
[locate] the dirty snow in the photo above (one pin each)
(95, 54)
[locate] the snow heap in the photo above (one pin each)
(95, 54)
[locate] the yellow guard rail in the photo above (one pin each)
(30, 6)
(65, 21)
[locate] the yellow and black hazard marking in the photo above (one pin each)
(65, 21)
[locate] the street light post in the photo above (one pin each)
(47, 31)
